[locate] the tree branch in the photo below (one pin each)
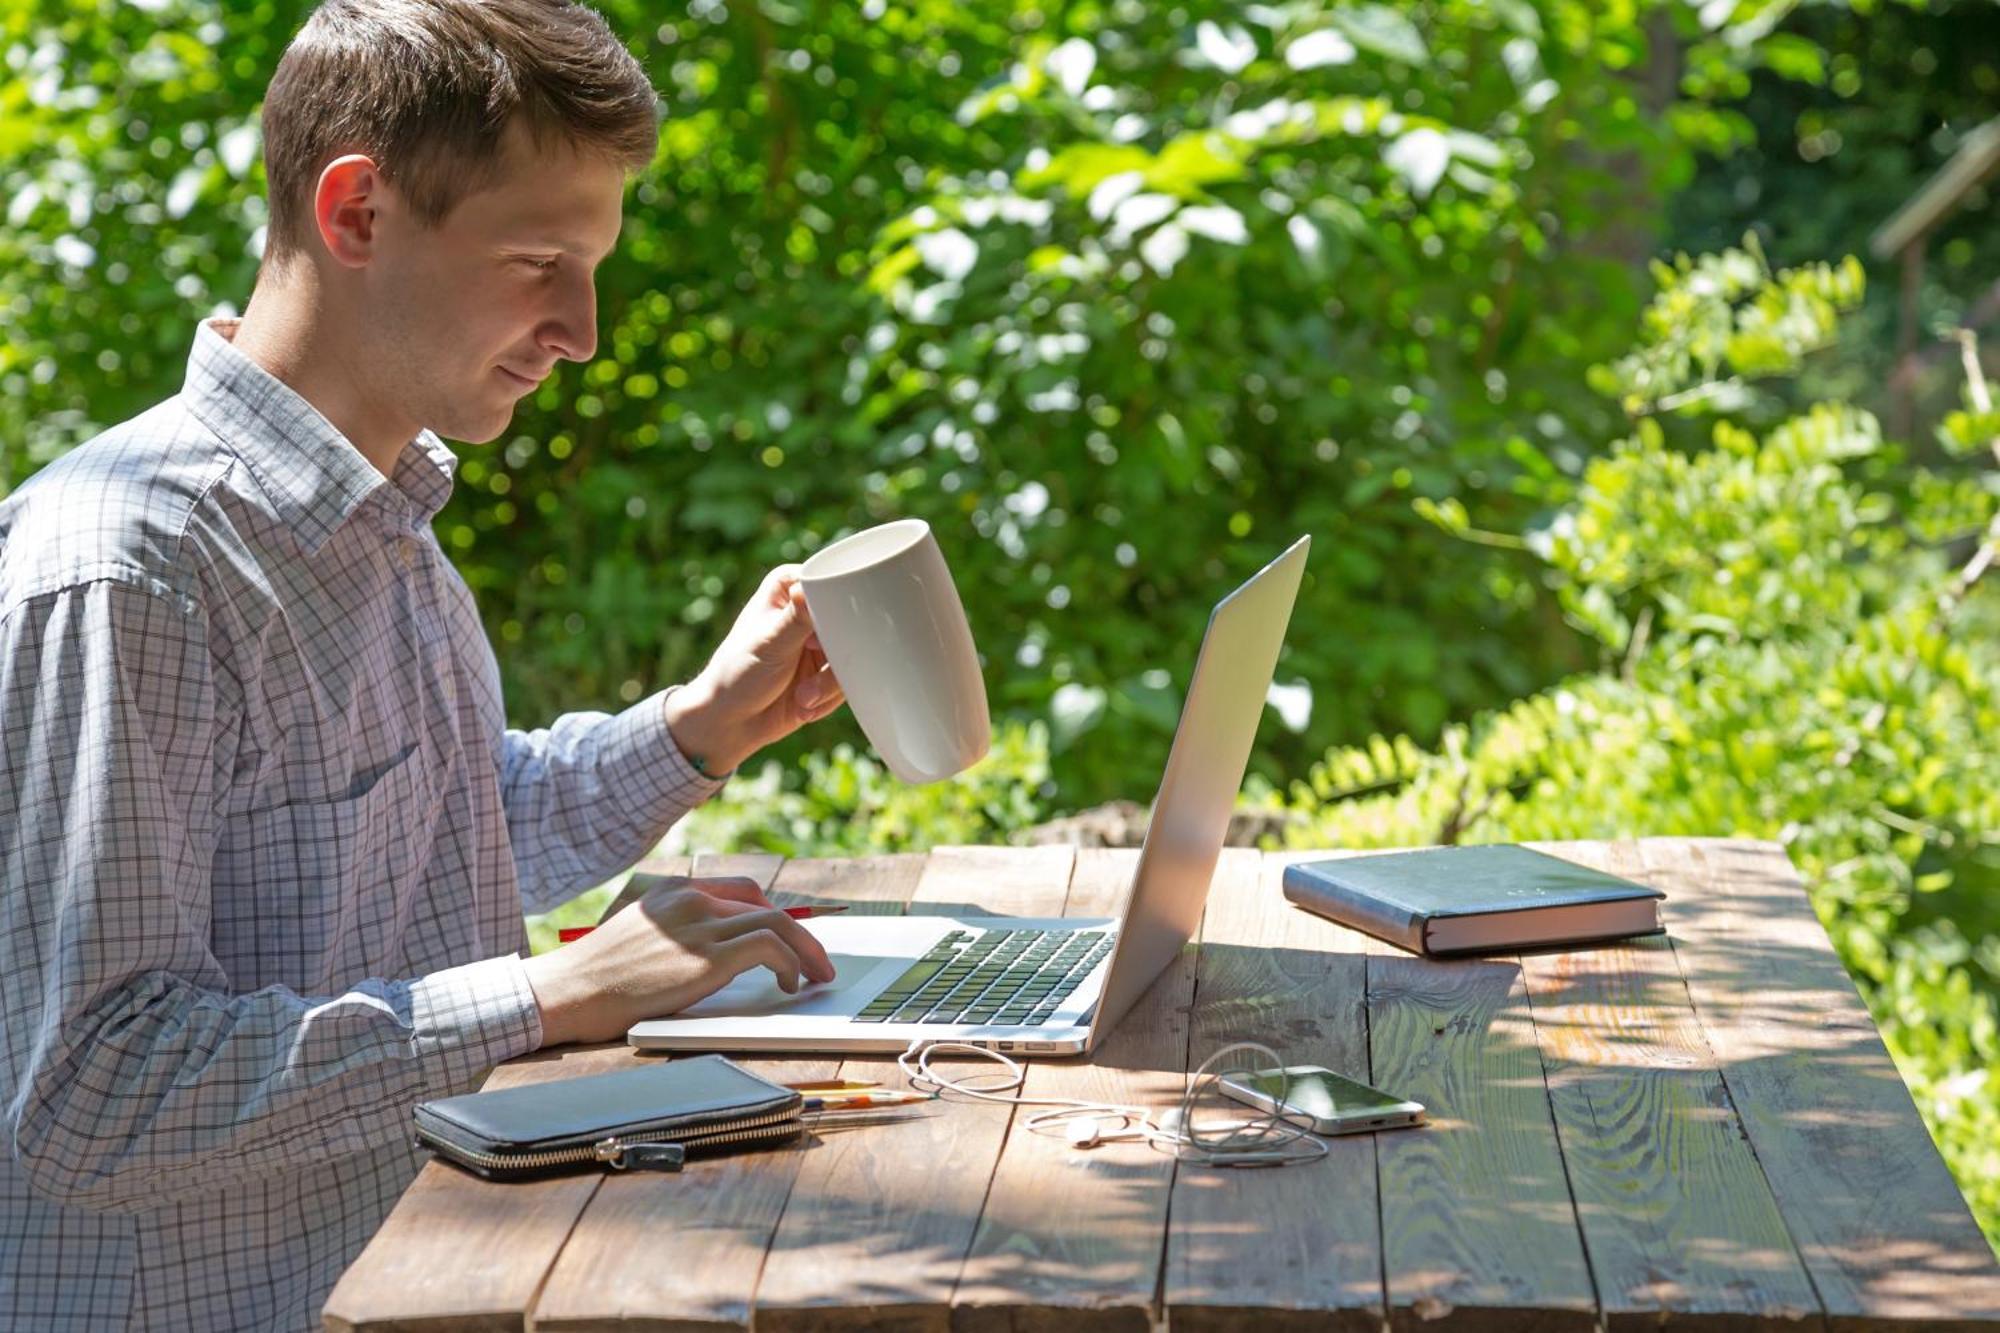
(1989, 549)
(1706, 389)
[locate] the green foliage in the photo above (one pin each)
(1725, 312)
(129, 170)
(844, 803)
(1805, 673)
(1825, 161)
(1214, 292)
(1120, 297)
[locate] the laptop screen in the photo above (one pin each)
(1205, 767)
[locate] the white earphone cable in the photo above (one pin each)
(1259, 1140)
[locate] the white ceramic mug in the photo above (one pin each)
(894, 631)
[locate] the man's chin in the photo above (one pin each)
(483, 429)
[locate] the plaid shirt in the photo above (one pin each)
(265, 843)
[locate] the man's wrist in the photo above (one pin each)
(701, 731)
(549, 984)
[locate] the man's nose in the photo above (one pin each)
(571, 332)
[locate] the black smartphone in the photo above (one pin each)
(1322, 1101)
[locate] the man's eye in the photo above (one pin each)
(540, 265)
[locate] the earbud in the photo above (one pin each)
(1269, 1141)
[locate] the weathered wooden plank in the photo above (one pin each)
(1072, 1239)
(720, 1214)
(1878, 1220)
(447, 1257)
(1478, 1228)
(649, 873)
(1471, 1228)
(881, 884)
(1297, 1247)
(760, 866)
(882, 1216)
(462, 1255)
(653, 869)
(1681, 1228)
(655, 863)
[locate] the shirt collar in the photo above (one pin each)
(316, 479)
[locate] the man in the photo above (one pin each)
(265, 841)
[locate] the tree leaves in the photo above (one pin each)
(1383, 30)
(1776, 666)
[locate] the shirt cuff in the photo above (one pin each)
(643, 763)
(471, 1018)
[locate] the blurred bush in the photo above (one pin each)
(1120, 297)
(1796, 647)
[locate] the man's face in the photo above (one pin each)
(468, 316)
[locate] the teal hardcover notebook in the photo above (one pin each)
(1459, 900)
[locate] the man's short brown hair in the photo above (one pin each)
(427, 88)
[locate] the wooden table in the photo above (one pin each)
(1701, 1130)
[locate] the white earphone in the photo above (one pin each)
(1260, 1140)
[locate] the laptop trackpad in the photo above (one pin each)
(855, 982)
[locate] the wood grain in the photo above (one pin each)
(1681, 1229)
(1072, 1238)
(683, 1252)
(648, 874)
(1298, 1247)
(1478, 1228)
(1878, 1219)
(463, 1254)
(1702, 1130)
(882, 1217)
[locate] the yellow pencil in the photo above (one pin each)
(861, 1100)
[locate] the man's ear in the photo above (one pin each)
(346, 208)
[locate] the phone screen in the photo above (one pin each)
(1320, 1093)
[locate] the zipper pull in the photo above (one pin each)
(640, 1156)
(654, 1156)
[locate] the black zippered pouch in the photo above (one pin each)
(645, 1119)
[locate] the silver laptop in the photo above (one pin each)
(1053, 985)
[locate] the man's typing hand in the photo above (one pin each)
(768, 679)
(674, 946)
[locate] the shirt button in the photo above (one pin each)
(406, 551)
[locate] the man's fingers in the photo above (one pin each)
(640, 885)
(732, 888)
(828, 703)
(808, 952)
(815, 690)
(781, 588)
(760, 948)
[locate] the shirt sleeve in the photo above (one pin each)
(133, 1073)
(590, 795)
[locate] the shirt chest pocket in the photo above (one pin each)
(316, 895)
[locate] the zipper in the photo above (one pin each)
(667, 1155)
(623, 1154)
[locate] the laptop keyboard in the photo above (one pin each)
(990, 976)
